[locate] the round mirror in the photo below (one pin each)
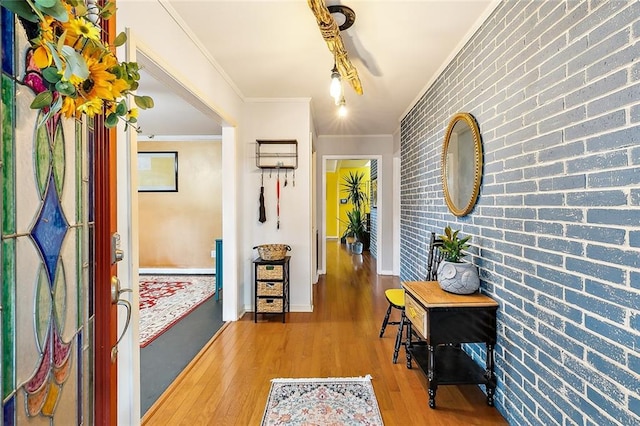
(462, 164)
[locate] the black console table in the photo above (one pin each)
(445, 321)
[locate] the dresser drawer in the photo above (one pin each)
(416, 314)
(266, 288)
(269, 305)
(270, 272)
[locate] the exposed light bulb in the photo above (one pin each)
(342, 108)
(336, 85)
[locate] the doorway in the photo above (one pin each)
(375, 205)
(129, 372)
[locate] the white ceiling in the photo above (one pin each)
(274, 49)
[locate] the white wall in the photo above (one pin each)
(175, 52)
(360, 146)
(158, 31)
(279, 119)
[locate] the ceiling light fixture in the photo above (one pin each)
(336, 84)
(348, 15)
(331, 34)
(342, 108)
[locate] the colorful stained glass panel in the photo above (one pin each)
(6, 22)
(47, 280)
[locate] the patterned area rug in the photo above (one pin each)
(164, 300)
(333, 401)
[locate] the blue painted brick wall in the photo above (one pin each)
(555, 88)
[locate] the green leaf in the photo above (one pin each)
(65, 88)
(108, 10)
(111, 121)
(81, 9)
(57, 11)
(22, 9)
(45, 3)
(143, 102)
(53, 109)
(42, 100)
(121, 109)
(76, 64)
(120, 39)
(51, 74)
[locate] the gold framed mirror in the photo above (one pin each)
(462, 164)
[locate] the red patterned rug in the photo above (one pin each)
(164, 300)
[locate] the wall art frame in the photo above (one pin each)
(158, 171)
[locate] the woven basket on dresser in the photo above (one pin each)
(269, 305)
(269, 272)
(273, 251)
(270, 289)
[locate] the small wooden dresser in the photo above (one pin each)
(445, 321)
(271, 287)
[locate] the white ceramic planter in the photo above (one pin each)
(356, 247)
(458, 278)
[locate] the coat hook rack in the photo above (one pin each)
(277, 154)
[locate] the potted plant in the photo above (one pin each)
(352, 185)
(455, 275)
(356, 230)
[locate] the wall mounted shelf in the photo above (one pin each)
(277, 154)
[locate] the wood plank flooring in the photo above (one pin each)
(228, 382)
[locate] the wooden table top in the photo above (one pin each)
(431, 295)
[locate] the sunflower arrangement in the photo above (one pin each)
(80, 73)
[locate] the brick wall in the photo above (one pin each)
(555, 88)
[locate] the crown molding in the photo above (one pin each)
(179, 138)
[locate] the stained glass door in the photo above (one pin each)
(47, 252)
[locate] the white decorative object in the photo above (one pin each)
(458, 278)
(93, 12)
(357, 247)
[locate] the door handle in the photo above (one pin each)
(116, 292)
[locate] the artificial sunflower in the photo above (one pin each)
(78, 73)
(80, 27)
(90, 107)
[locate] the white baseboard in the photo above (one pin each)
(293, 308)
(177, 271)
(386, 272)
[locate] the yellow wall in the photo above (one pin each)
(178, 229)
(337, 212)
(332, 203)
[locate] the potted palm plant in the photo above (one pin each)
(455, 275)
(352, 185)
(354, 230)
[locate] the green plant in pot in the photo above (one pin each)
(354, 229)
(353, 187)
(455, 275)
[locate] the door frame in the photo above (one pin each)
(129, 406)
(379, 202)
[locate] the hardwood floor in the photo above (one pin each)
(228, 383)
